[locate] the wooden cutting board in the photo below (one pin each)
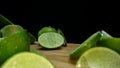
(59, 57)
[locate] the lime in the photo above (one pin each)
(105, 34)
(65, 41)
(87, 44)
(46, 29)
(4, 21)
(13, 44)
(110, 42)
(51, 40)
(99, 57)
(27, 60)
(10, 29)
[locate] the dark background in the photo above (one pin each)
(77, 20)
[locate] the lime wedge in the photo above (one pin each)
(110, 42)
(4, 21)
(46, 29)
(13, 44)
(99, 57)
(65, 41)
(87, 44)
(10, 29)
(27, 60)
(105, 34)
(51, 40)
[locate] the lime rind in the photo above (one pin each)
(105, 34)
(87, 44)
(51, 40)
(46, 29)
(110, 42)
(31, 60)
(13, 44)
(99, 57)
(65, 41)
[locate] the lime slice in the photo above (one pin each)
(46, 29)
(51, 40)
(110, 42)
(87, 44)
(10, 29)
(13, 44)
(27, 60)
(65, 41)
(4, 21)
(99, 57)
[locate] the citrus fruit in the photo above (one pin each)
(27, 60)
(87, 44)
(65, 41)
(110, 42)
(46, 29)
(105, 34)
(13, 44)
(99, 57)
(10, 29)
(51, 40)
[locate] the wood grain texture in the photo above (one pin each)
(60, 57)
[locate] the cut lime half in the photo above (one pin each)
(10, 29)
(51, 40)
(99, 57)
(27, 60)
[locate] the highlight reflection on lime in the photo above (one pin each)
(27, 60)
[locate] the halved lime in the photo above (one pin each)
(46, 29)
(27, 60)
(13, 44)
(10, 29)
(110, 42)
(99, 57)
(87, 44)
(51, 40)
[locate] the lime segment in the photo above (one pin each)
(51, 40)
(99, 57)
(87, 44)
(27, 60)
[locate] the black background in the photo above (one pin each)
(77, 20)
